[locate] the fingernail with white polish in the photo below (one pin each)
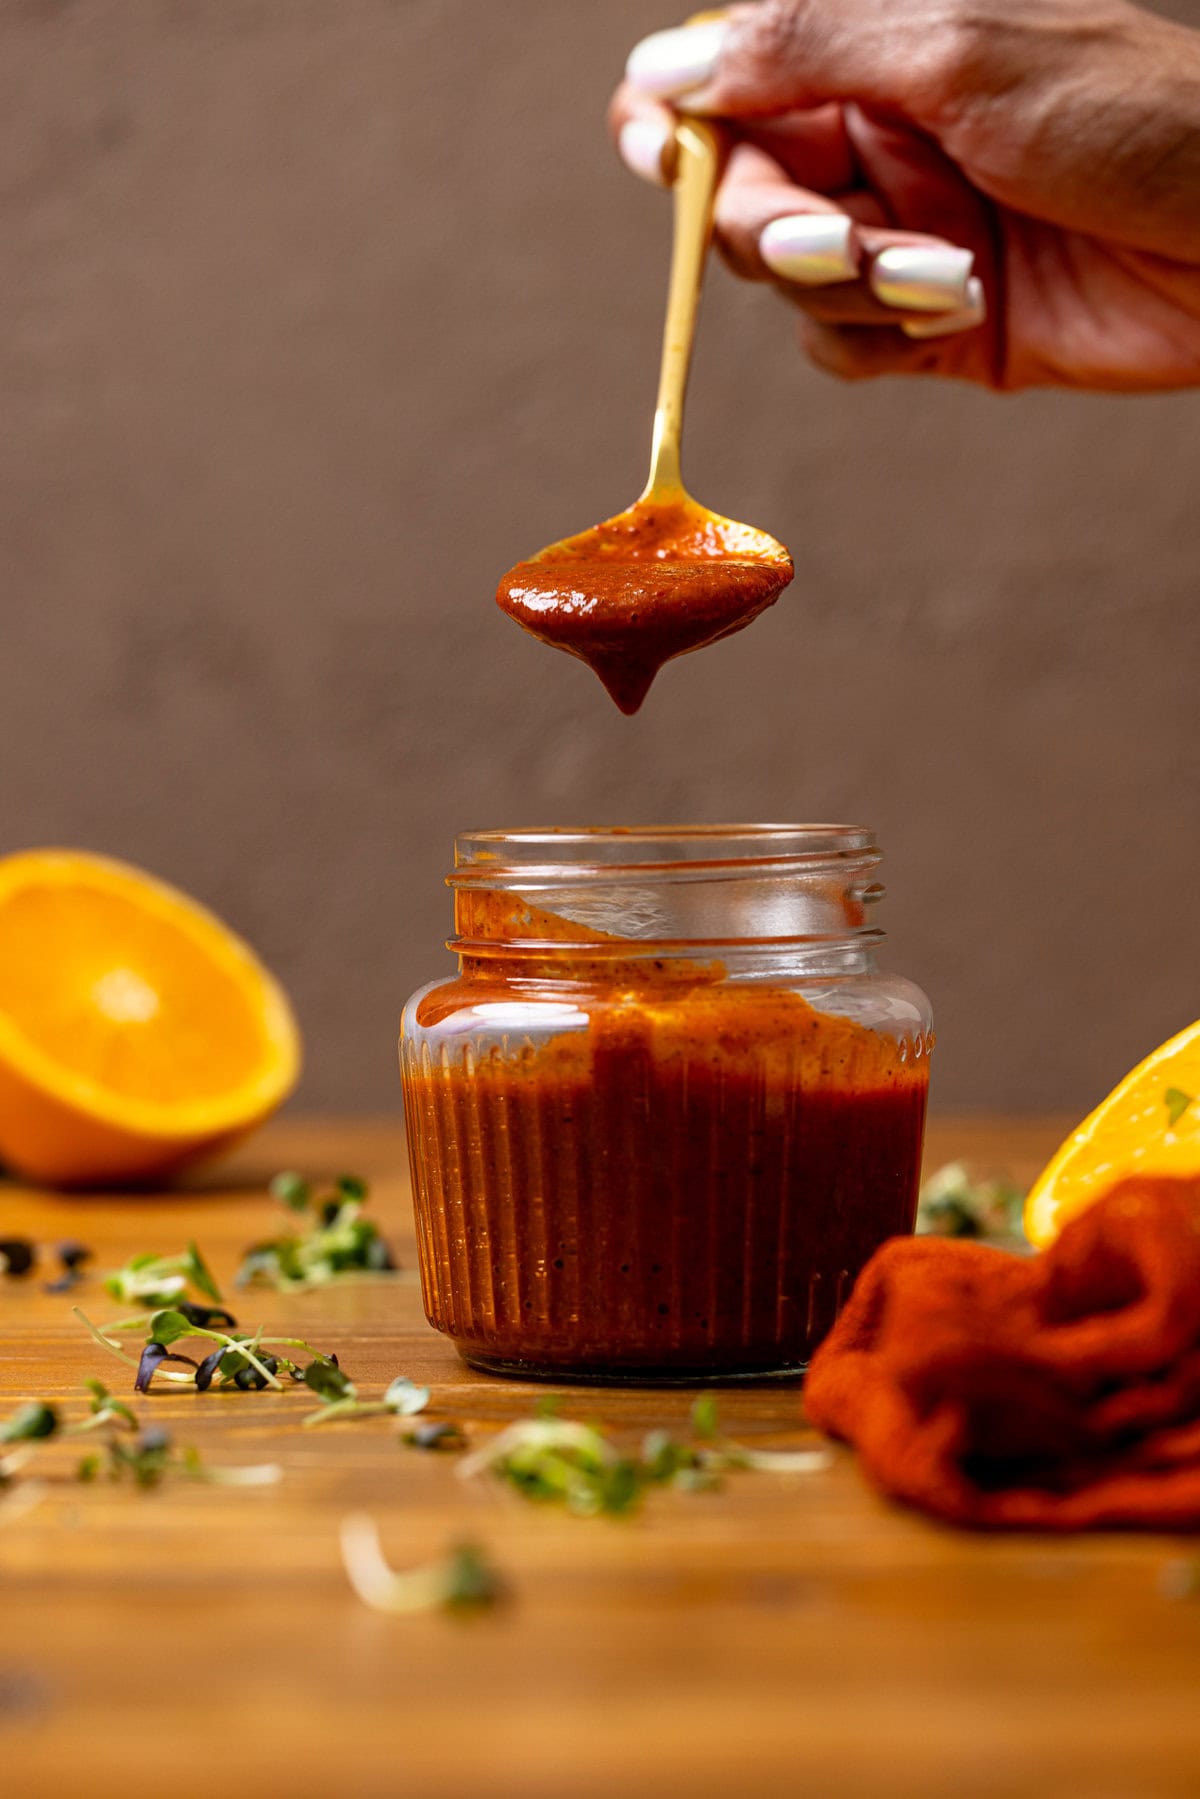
(643, 145)
(943, 323)
(810, 248)
(922, 277)
(669, 63)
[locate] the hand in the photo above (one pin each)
(1005, 191)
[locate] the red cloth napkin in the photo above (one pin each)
(1055, 1392)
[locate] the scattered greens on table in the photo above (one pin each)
(19, 1256)
(336, 1239)
(463, 1581)
(154, 1281)
(247, 1362)
(438, 1437)
(546, 1458)
(557, 1462)
(954, 1205)
(129, 1452)
(72, 1256)
(152, 1455)
(29, 1422)
(339, 1396)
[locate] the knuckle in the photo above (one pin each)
(770, 36)
(955, 55)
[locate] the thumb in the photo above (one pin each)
(755, 61)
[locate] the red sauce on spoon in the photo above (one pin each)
(665, 577)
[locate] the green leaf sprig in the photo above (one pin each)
(104, 1410)
(30, 1422)
(555, 1461)
(154, 1281)
(339, 1397)
(153, 1455)
(247, 1362)
(147, 1458)
(337, 1240)
(438, 1437)
(952, 1204)
(462, 1581)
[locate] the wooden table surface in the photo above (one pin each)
(785, 1635)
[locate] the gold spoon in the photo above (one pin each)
(667, 575)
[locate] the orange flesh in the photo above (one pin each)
(648, 585)
(100, 985)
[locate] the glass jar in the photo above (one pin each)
(667, 1108)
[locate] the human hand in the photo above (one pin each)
(1005, 191)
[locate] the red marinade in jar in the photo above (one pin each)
(686, 1188)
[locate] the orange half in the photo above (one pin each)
(137, 1033)
(1149, 1124)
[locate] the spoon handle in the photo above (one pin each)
(697, 173)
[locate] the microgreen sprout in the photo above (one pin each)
(705, 1419)
(337, 1240)
(17, 1255)
(29, 1422)
(340, 1399)
(144, 1456)
(153, 1455)
(72, 1255)
(154, 1281)
(204, 1316)
(248, 1363)
(331, 1384)
(952, 1204)
(463, 1581)
(436, 1436)
(105, 1409)
(559, 1462)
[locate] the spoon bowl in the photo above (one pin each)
(664, 577)
(667, 575)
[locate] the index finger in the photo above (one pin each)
(812, 148)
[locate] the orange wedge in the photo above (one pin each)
(1149, 1124)
(137, 1033)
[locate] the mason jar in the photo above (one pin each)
(668, 1106)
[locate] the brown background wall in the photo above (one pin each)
(316, 314)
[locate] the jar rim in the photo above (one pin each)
(567, 853)
(645, 949)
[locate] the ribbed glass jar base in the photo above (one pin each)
(597, 1376)
(695, 1217)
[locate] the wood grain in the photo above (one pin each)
(783, 1636)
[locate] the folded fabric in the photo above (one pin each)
(1057, 1392)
